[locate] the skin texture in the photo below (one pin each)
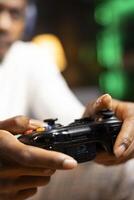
(12, 23)
(23, 168)
(124, 145)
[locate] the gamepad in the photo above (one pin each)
(81, 139)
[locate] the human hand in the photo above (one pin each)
(23, 168)
(124, 145)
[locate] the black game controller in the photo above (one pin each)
(81, 139)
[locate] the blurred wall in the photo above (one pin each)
(73, 22)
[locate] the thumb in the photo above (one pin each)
(31, 156)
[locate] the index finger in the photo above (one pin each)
(20, 124)
(104, 101)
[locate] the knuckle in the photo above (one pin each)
(129, 154)
(25, 156)
(21, 121)
(127, 141)
(48, 172)
(53, 171)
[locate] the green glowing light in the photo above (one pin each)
(112, 11)
(109, 49)
(110, 14)
(117, 86)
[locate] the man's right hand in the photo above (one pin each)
(23, 168)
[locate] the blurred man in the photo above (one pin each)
(12, 22)
(29, 73)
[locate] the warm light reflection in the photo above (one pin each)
(51, 45)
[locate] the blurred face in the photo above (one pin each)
(12, 21)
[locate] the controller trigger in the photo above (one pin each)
(50, 122)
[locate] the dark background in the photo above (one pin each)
(73, 22)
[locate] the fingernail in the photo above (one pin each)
(98, 101)
(69, 164)
(105, 95)
(120, 150)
